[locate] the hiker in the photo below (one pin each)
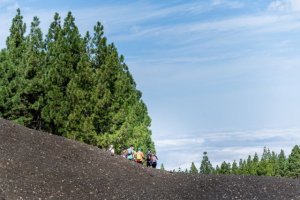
(139, 156)
(148, 158)
(111, 150)
(154, 160)
(124, 153)
(130, 153)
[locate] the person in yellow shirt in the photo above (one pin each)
(139, 156)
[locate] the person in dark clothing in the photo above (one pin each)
(154, 160)
(148, 158)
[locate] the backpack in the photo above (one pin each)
(129, 154)
(153, 158)
(139, 156)
(149, 156)
(129, 151)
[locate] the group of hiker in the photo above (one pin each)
(137, 156)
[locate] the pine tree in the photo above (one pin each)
(179, 170)
(242, 167)
(162, 167)
(122, 115)
(206, 167)
(273, 164)
(234, 168)
(267, 164)
(255, 162)
(282, 164)
(77, 87)
(80, 125)
(225, 168)
(4, 83)
(16, 40)
(249, 165)
(97, 46)
(64, 54)
(12, 71)
(193, 169)
(32, 92)
(53, 79)
(294, 162)
(217, 171)
(263, 164)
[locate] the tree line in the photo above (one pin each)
(71, 85)
(269, 164)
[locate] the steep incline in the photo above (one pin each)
(36, 165)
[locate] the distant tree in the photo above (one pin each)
(234, 168)
(225, 168)
(282, 164)
(294, 162)
(193, 169)
(217, 170)
(206, 166)
(267, 164)
(273, 164)
(249, 165)
(270, 164)
(263, 167)
(162, 167)
(255, 162)
(179, 169)
(242, 167)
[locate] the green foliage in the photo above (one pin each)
(294, 163)
(206, 166)
(270, 164)
(282, 164)
(267, 165)
(217, 170)
(69, 85)
(12, 72)
(234, 168)
(193, 169)
(225, 168)
(162, 167)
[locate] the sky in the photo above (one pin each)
(220, 76)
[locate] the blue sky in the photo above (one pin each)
(217, 75)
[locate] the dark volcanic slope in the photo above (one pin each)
(35, 165)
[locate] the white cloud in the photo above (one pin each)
(256, 24)
(223, 146)
(178, 142)
(285, 5)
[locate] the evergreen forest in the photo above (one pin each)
(71, 85)
(269, 164)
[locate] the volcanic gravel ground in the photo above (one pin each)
(37, 165)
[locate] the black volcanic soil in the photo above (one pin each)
(36, 165)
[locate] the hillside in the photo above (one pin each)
(36, 165)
